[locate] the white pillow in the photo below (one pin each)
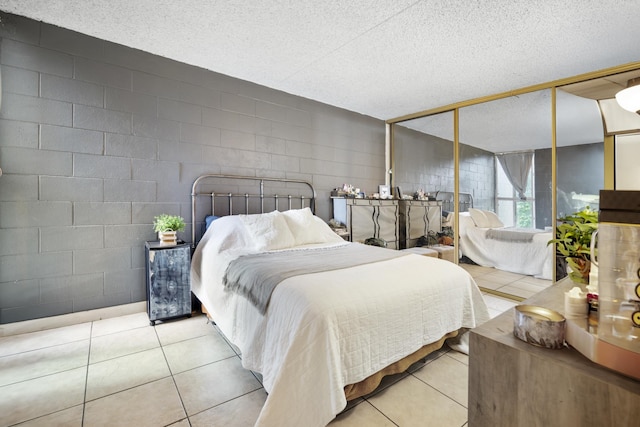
(494, 220)
(465, 222)
(308, 228)
(479, 218)
(227, 233)
(269, 231)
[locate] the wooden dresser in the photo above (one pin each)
(512, 383)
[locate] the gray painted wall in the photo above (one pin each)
(580, 169)
(96, 139)
(426, 162)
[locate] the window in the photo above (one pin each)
(512, 211)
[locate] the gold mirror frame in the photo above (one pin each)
(609, 166)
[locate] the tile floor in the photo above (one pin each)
(517, 285)
(123, 372)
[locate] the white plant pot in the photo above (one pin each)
(167, 237)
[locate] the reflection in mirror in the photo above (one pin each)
(515, 125)
(424, 159)
(510, 255)
(579, 153)
(423, 154)
(616, 121)
(423, 168)
(603, 90)
(627, 168)
(579, 158)
(520, 126)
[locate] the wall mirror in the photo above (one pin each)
(423, 154)
(577, 138)
(514, 135)
(423, 151)
(579, 153)
(588, 114)
(423, 169)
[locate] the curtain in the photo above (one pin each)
(517, 166)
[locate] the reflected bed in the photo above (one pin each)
(490, 244)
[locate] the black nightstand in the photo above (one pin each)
(168, 274)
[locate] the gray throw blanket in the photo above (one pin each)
(512, 234)
(255, 276)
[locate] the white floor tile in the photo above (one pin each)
(499, 304)
(183, 329)
(513, 290)
(539, 283)
(460, 357)
(122, 343)
(239, 412)
(41, 396)
(518, 285)
(124, 372)
(483, 282)
(153, 404)
(210, 385)
(526, 286)
(182, 423)
(412, 402)
(119, 324)
(501, 277)
(71, 417)
(15, 344)
(447, 375)
(195, 352)
(45, 361)
(363, 414)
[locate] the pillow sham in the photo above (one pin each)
(227, 233)
(269, 231)
(308, 228)
(494, 220)
(479, 218)
(465, 222)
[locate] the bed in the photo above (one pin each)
(329, 331)
(485, 241)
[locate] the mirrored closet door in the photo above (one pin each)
(505, 163)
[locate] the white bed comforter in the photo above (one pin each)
(534, 258)
(325, 330)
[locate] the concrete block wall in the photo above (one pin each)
(586, 157)
(426, 162)
(478, 176)
(96, 139)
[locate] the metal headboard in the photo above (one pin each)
(465, 200)
(248, 193)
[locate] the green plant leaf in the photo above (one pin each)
(573, 234)
(165, 222)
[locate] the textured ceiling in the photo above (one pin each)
(382, 58)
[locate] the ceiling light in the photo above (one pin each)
(629, 98)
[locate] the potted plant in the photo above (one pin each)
(166, 226)
(573, 242)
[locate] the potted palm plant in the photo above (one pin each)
(573, 242)
(167, 226)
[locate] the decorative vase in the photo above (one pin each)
(167, 237)
(580, 269)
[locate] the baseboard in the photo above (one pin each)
(71, 319)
